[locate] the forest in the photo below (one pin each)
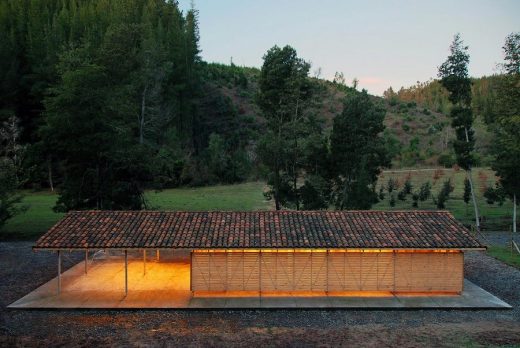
(101, 100)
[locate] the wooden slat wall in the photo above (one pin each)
(429, 272)
(306, 271)
(361, 271)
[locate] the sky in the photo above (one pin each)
(381, 43)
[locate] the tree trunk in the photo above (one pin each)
(514, 213)
(141, 118)
(276, 187)
(49, 169)
(473, 198)
(295, 159)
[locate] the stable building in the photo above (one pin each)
(284, 252)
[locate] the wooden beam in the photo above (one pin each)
(126, 272)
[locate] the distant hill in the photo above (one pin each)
(418, 130)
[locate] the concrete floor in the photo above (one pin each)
(167, 285)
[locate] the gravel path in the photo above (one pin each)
(21, 271)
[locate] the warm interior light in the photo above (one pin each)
(326, 250)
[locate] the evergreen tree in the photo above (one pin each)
(357, 152)
(455, 79)
(103, 165)
(283, 91)
(506, 146)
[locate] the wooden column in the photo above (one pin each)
(126, 272)
(59, 272)
(144, 262)
(86, 261)
(158, 255)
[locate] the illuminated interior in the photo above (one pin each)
(169, 272)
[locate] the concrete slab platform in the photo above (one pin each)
(167, 285)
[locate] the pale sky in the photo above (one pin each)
(382, 43)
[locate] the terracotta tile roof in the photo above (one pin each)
(259, 229)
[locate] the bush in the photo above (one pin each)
(444, 194)
(392, 200)
(415, 200)
(425, 191)
(446, 160)
(407, 189)
(381, 195)
(391, 185)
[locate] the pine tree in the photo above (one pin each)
(283, 92)
(455, 79)
(506, 146)
(358, 152)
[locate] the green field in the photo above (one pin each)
(40, 217)
(506, 255)
(248, 196)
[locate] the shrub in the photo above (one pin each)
(392, 200)
(391, 185)
(444, 194)
(446, 160)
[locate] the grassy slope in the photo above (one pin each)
(405, 122)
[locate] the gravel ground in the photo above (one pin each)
(21, 271)
(500, 238)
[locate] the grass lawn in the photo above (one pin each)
(504, 254)
(248, 196)
(40, 217)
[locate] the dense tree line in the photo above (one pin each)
(103, 99)
(111, 97)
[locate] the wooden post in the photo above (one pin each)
(144, 262)
(86, 261)
(327, 256)
(126, 272)
(59, 272)
(157, 255)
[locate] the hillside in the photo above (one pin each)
(418, 134)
